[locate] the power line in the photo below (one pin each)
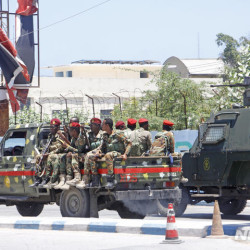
(65, 19)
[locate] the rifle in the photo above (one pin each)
(86, 137)
(45, 150)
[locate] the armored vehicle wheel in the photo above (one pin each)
(125, 213)
(179, 206)
(232, 207)
(29, 209)
(75, 203)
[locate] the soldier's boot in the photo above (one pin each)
(50, 184)
(95, 180)
(75, 181)
(84, 183)
(38, 181)
(62, 181)
(110, 182)
(44, 182)
(66, 186)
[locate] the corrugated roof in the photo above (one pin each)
(204, 66)
(115, 62)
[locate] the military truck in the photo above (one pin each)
(218, 164)
(141, 182)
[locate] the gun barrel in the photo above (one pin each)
(231, 85)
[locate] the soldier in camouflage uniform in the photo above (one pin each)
(120, 125)
(114, 144)
(141, 139)
(95, 137)
(164, 141)
(131, 126)
(76, 152)
(55, 149)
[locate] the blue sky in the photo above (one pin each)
(138, 29)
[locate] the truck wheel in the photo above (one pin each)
(179, 206)
(29, 209)
(232, 207)
(125, 213)
(75, 203)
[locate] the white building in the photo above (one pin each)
(96, 86)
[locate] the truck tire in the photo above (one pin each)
(75, 203)
(179, 206)
(125, 213)
(29, 209)
(232, 207)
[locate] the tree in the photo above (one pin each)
(180, 100)
(236, 56)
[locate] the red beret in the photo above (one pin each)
(167, 122)
(74, 124)
(119, 123)
(131, 121)
(55, 121)
(142, 120)
(95, 120)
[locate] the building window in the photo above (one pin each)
(60, 74)
(144, 74)
(105, 113)
(69, 73)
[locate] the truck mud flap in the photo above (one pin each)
(148, 195)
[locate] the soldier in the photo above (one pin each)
(66, 129)
(114, 144)
(141, 139)
(164, 141)
(95, 134)
(55, 148)
(120, 125)
(131, 126)
(166, 127)
(75, 153)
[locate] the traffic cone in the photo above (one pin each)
(171, 230)
(217, 229)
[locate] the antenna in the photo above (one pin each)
(198, 44)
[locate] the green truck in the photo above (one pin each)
(142, 183)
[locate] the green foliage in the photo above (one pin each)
(179, 100)
(29, 115)
(236, 55)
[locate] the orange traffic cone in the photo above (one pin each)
(171, 230)
(217, 228)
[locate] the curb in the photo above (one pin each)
(151, 227)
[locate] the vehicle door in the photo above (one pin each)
(12, 166)
(212, 159)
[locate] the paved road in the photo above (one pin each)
(197, 213)
(60, 240)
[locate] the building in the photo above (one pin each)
(211, 69)
(95, 86)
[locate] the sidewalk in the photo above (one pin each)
(153, 227)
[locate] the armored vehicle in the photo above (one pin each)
(218, 164)
(141, 182)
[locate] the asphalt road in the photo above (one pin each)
(60, 240)
(192, 213)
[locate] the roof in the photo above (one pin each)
(187, 67)
(204, 66)
(143, 62)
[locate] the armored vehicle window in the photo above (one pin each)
(214, 134)
(14, 144)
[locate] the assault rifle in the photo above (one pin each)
(45, 150)
(86, 137)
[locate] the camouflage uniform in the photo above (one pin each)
(94, 140)
(54, 149)
(113, 145)
(144, 138)
(170, 136)
(128, 132)
(77, 147)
